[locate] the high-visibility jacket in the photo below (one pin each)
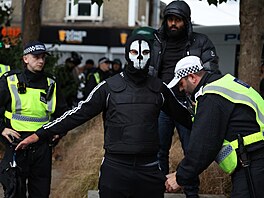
(4, 69)
(32, 109)
(96, 77)
(236, 91)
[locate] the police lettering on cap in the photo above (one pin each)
(35, 48)
(187, 65)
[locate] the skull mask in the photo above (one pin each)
(139, 53)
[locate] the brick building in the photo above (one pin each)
(86, 28)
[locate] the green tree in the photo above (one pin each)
(32, 20)
(251, 40)
(13, 55)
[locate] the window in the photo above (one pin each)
(83, 10)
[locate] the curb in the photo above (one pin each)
(94, 194)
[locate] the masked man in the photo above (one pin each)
(130, 102)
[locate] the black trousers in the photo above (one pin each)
(240, 187)
(33, 170)
(122, 180)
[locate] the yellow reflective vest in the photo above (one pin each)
(239, 92)
(29, 110)
(96, 77)
(4, 69)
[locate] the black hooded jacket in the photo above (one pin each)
(196, 44)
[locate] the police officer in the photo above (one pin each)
(28, 99)
(101, 73)
(174, 40)
(130, 102)
(3, 69)
(228, 127)
(116, 66)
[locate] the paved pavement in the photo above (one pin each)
(94, 194)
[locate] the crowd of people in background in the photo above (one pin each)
(77, 80)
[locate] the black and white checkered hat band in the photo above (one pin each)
(34, 48)
(189, 70)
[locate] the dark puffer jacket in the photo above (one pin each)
(197, 44)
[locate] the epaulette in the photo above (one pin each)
(21, 85)
(12, 72)
(198, 93)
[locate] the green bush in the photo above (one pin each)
(12, 56)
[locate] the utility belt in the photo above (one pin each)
(133, 159)
(230, 153)
(252, 156)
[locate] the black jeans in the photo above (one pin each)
(122, 180)
(166, 131)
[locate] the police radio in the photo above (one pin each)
(50, 91)
(21, 87)
(190, 106)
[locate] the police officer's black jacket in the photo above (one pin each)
(32, 80)
(216, 119)
(91, 80)
(130, 113)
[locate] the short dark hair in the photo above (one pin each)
(89, 61)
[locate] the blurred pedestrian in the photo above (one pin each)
(84, 71)
(101, 73)
(116, 66)
(68, 80)
(89, 67)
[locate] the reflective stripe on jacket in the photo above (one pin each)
(236, 91)
(96, 77)
(30, 110)
(4, 69)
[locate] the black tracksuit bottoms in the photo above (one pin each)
(125, 180)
